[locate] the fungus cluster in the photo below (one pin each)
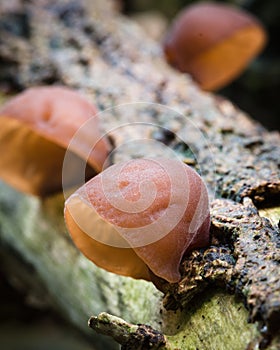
(213, 42)
(36, 128)
(137, 218)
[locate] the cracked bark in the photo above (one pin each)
(90, 47)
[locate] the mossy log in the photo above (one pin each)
(88, 46)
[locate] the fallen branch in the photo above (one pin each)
(90, 47)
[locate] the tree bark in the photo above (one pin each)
(90, 47)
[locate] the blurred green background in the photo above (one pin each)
(27, 323)
(257, 90)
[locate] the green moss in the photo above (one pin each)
(214, 320)
(273, 214)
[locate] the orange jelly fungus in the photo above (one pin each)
(36, 128)
(140, 217)
(213, 42)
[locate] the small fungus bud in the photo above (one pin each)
(35, 130)
(213, 42)
(140, 216)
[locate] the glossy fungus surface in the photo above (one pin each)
(139, 216)
(213, 42)
(36, 129)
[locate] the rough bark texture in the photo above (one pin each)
(88, 46)
(244, 258)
